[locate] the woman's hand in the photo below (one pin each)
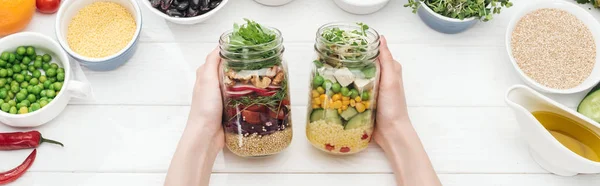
(203, 136)
(394, 131)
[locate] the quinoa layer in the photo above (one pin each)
(257, 145)
(333, 138)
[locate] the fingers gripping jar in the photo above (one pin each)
(256, 101)
(344, 78)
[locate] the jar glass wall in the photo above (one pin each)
(344, 78)
(256, 101)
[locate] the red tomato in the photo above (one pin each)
(47, 6)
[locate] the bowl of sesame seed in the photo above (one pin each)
(553, 47)
(101, 34)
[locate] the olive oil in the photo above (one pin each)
(576, 137)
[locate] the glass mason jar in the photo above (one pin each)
(256, 101)
(344, 79)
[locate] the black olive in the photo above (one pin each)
(165, 4)
(174, 13)
(183, 6)
(214, 4)
(175, 3)
(192, 12)
(155, 3)
(204, 5)
(194, 4)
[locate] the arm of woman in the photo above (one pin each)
(203, 136)
(394, 131)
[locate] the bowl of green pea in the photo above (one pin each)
(35, 80)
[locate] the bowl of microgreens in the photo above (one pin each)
(455, 16)
(596, 3)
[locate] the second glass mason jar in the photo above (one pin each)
(344, 78)
(256, 101)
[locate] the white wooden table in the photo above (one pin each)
(455, 86)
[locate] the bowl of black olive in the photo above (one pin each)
(185, 11)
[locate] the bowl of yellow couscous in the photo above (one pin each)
(100, 34)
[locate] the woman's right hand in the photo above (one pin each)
(394, 131)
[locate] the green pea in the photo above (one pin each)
(336, 87)
(345, 91)
(353, 93)
(16, 68)
(20, 78)
(14, 89)
(23, 110)
(57, 86)
(23, 67)
(47, 58)
(3, 63)
(3, 82)
(14, 83)
(50, 93)
(24, 91)
(30, 51)
(31, 68)
(43, 94)
(54, 66)
(11, 57)
(36, 74)
(35, 106)
(45, 66)
(4, 56)
(13, 110)
(31, 98)
(52, 79)
(29, 88)
(43, 98)
(365, 95)
(19, 105)
(10, 72)
(27, 77)
(3, 94)
(11, 95)
(26, 60)
(42, 78)
(318, 81)
(43, 103)
(37, 64)
(326, 85)
(12, 103)
(61, 70)
(5, 107)
(38, 58)
(21, 96)
(21, 50)
(23, 72)
(47, 84)
(18, 58)
(60, 77)
(1, 102)
(25, 102)
(51, 87)
(51, 72)
(34, 81)
(3, 72)
(24, 84)
(36, 90)
(6, 87)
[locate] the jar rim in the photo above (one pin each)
(225, 37)
(278, 54)
(319, 38)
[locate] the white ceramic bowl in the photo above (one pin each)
(361, 6)
(71, 88)
(185, 20)
(70, 8)
(273, 2)
(583, 15)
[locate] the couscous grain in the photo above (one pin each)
(323, 135)
(101, 29)
(554, 48)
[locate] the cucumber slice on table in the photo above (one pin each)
(590, 105)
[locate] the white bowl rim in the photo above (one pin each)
(360, 3)
(530, 81)
(67, 48)
(184, 19)
(444, 17)
(60, 53)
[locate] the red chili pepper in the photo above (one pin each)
(14, 174)
(23, 140)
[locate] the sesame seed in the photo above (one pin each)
(554, 48)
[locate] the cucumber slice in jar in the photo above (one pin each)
(590, 105)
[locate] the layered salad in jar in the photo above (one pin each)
(256, 117)
(343, 88)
